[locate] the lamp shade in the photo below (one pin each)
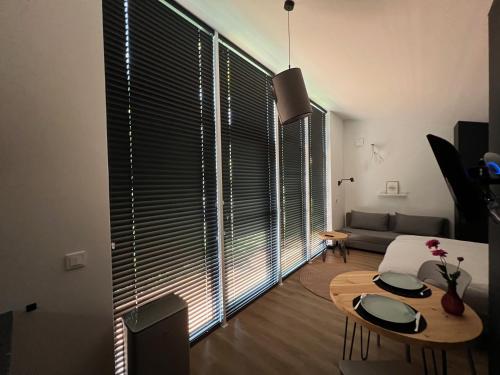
(291, 97)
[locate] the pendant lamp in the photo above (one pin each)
(289, 89)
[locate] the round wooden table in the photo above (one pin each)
(335, 237)
(443, 331)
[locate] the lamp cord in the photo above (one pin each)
(288, 39)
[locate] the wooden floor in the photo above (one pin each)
(289, 330)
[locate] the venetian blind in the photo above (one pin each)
(293, 199)
(317, 179)
(161, 136)
(249, 180)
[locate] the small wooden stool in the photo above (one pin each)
(338, 240)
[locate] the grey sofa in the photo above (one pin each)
(374, 232)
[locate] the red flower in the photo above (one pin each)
(439, 253)
(432, 243)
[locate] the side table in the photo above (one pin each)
(338, 240)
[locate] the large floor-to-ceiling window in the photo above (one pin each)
(317, 179)
(303, 189)
(249, 180)
(293, 196)
(161, 134)
(192, 140)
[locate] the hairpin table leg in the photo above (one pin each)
(364, 356)
(408, 353)
(343, 251)
(345, 337)
(352, 340)
(434, 363)
(444, 362)
(424, 361)
(471, 361)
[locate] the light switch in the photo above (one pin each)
(75, 260)
(360, 142)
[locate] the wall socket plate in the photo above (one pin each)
(359, 142)
(73, 261)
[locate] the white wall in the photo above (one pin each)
(407, 158)
(54, 185)
(336, 134)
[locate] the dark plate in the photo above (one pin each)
(423, 292)
(396, 327)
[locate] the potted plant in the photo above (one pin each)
(451, 301)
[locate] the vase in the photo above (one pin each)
(451, 302)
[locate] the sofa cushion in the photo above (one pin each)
(370, 221)
(418, 225)
(371, 236)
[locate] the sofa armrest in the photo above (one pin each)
(347, 219)
(445, 231)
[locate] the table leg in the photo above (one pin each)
(434, 363)
(364, 356)
(408, 353)
(352, 340)
(424, 361)
(444, 362)
(345, 337)
(471, 361)
(343, 250)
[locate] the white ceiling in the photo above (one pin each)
(370, 59)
